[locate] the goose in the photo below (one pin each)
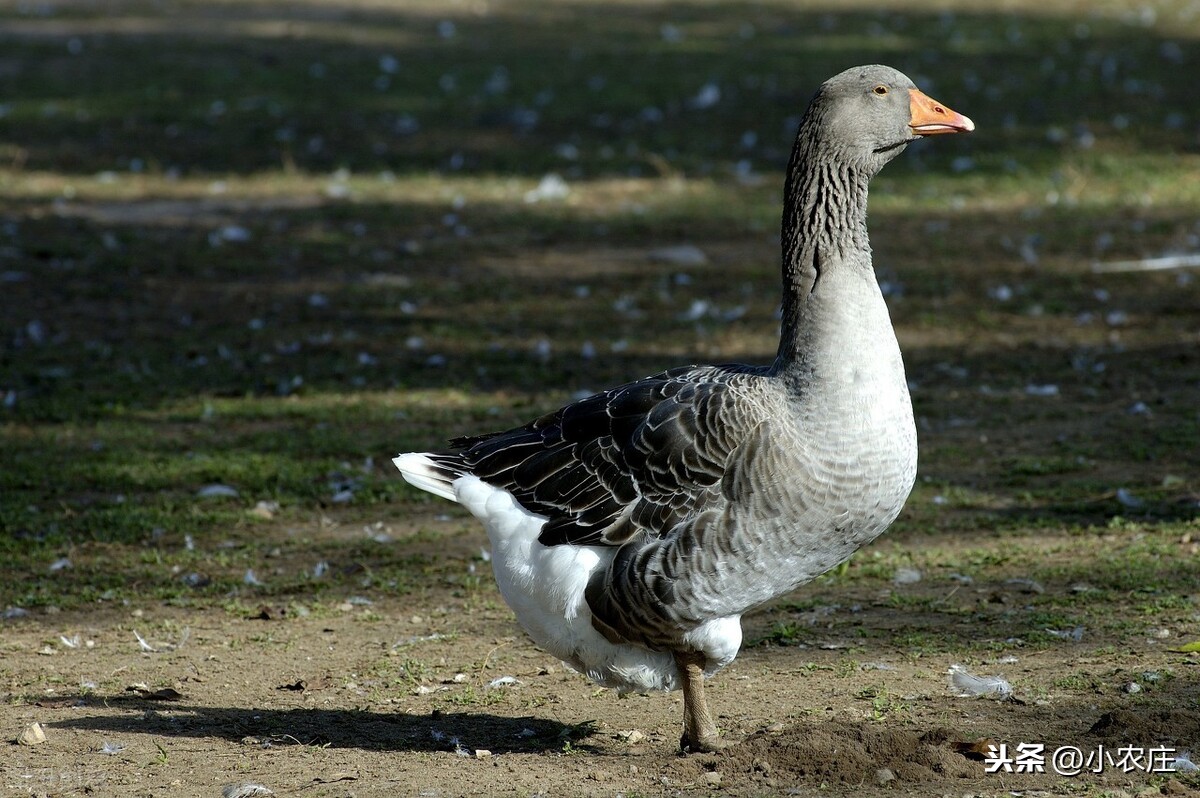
(632, 530)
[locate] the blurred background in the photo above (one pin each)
(250, 250)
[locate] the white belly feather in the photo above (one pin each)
(544, 586)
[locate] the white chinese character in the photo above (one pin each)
(1161, 759)
(1030, 758)
(1096, 760)
(998, 759)
(1130, 759)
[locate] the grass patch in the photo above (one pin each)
(233, 257)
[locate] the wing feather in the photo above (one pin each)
(637, 459)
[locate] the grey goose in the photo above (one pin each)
(631, 530)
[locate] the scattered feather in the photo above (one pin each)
(60, 564)
(110, 748)
(234, 234)
(1149, 264)
(1127, 499)
(504, 681)
(1075, 634)
(967, 685)
(551, 187)
(251, 579)
(163, 694)
(1023, 585)
(1182, 763)
(906, 576)
(408, 641)
(142, 642)
(708, 96)
(244, 790)
(217, 492)
(632, 736)
(264, 509)
(196, 580)
(679, 255)
(698, 310)
(70, 642)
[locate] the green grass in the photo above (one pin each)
(383, 285)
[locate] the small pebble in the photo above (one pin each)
(883, 776)
(712, 779)
(33, 734)
(1133, 688)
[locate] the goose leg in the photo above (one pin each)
(699, 732)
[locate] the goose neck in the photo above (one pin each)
(824, 231)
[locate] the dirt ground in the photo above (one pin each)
(397, 695)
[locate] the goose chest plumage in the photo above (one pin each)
(631, 530)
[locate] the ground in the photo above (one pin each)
(251, 250)
(385, 694)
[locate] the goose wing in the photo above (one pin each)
(636, 459)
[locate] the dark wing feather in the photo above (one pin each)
(639, 458)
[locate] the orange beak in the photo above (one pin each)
(928, 117)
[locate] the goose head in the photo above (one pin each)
(867, 115)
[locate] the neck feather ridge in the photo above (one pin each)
(824, 228)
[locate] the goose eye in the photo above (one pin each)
(880, 90)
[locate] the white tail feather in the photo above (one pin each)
(420, 472)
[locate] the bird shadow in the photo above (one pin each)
(462, 732)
